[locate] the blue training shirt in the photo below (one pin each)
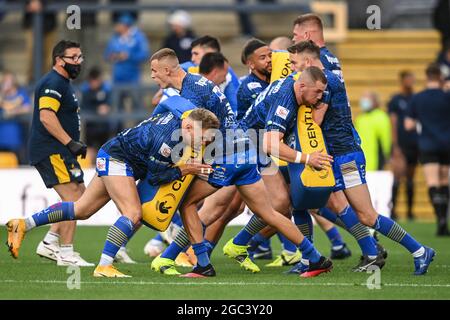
(283, 106)
(250, 88)
(337, 125)
(147, 148)
(229, 87)
(204, 94)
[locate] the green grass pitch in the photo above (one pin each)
(31, 277)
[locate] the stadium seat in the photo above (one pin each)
(8, 160)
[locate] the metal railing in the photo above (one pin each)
(299, 5)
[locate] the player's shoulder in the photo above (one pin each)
(189, 66)
(327, 57)
(252, 83)
(284, 85)
(333, 81)
(52, 84)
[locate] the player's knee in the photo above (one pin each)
(282, 204)
(134, 215)
(72, 192)
(367, 219)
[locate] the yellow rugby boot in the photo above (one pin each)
(286, 259)
(240, 254)
(165, 266)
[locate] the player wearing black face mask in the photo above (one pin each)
(54, 145)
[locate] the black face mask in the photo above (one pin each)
(73, 70)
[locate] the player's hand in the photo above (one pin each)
(319, 160)
(77, 148)
(122, 56)
(200, 169)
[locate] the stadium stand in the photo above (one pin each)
(373, 59)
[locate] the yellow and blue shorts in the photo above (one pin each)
(59, 169)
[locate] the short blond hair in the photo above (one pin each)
(208, 119)
(164, 53)
(309, 18)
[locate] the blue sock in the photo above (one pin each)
(118, 234)
(394, 231)
(158, 237)
(261, 242)
(308, 251)
(260, 239)
(201, 251)
(177, 220)
(210, 245)
(61, 211)
(359, 231)
(335, 237)
(286, 244)
(254, 226)
(180, 243)
(328, 214)
(265, 244)
(304, 223)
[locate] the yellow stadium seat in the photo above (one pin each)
(8, 160)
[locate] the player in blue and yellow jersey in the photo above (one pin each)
(257, 56)
(200, 47)
(145, 151)
(334, 117)
(167, 72)
(54, 146)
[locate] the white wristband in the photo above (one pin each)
(307, 159)
(298, 157)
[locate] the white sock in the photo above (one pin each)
(29, 223)
(52, 238)
(287, 252)
(339, 247)
(66, 250)
(419, 252)
(106, 260)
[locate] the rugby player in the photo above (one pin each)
(200, 47)
(334, 117)
(144, 151)
(167, 72)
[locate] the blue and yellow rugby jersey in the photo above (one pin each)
(204, 94)
(331, 62)
(283, 109)
(250, 88)
(53, 92)
(147, 148)
(337, 125)
(229, 87)
(256, 115)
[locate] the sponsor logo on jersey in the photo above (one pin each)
(54, 92)
(165, 150)
(253, 85)
(219, 93)
(282, 112)
(165, 119)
